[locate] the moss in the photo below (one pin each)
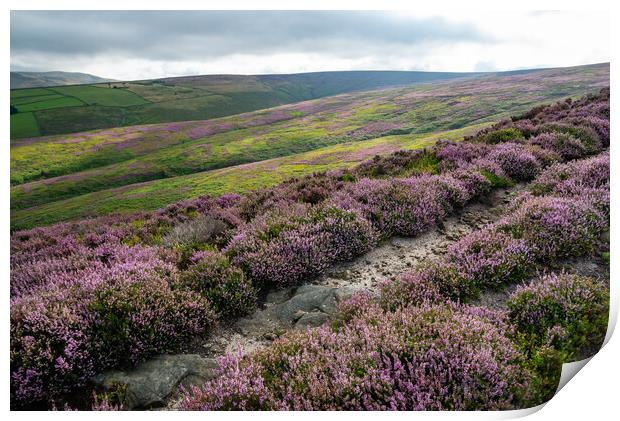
(496, 180)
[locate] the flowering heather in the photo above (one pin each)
(285, 249)
(555, 227)
(419, 358)
(224, 285)
(108, 317)
(566, 145)
(454, 155)
(399, 163)
(489, 258)
(411, 289)
(515, 160)
(404, 206)
(574, 179)
(567, 312)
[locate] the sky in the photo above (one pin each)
(132, 45)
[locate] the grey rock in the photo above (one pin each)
(314, 319)
(150, 384)
(284, 315)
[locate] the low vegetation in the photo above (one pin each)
(109, 292)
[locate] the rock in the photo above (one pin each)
(305, 299)
(279, 296)
(313, 319)
(150, 384)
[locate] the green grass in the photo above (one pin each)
(36, 98)
(47, 104)
(159, 193)
(93, 95)
(30, 92)
(24, 125)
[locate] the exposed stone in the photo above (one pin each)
(152, 383)
(313, 319)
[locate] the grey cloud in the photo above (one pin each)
(199, 35)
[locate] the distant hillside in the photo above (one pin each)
(59, 110)
(145, 167)
(42, 79)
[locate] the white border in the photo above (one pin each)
(590, 395)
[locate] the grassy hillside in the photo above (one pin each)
(49, 169)
(236, 179)
(115, 104)
(20, 80)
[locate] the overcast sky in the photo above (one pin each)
(139, 45)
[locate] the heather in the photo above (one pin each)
(419, 358)
(226, 287)
(112, 291)
(566, 312)
(286, 248)
(109, 316)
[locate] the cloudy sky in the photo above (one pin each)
(139, 44)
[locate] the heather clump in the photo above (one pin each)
(575, 178)
(111, 315)
(566, 312)
(405, 206)
(419, 358)
(489, 258)
(555, 227)
(566, 145)
(516, 161)
(588, 137)
(195, 233)
(508, 134)
(398, 164)
(286, 248)
(225, 286)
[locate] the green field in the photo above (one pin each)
(24, 125)
(93, 95)
(41, 103)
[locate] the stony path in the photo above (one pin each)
(155, 383)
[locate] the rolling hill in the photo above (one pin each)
(59, 110)
(144, 167)
(20, 80)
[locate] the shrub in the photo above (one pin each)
(109, 316)
(225, 286)
(489, 258)
(410, 289)
(575, 178)
(566, 312)
(419, 358)
(509, 134)
(455, 155)
(567, 146)
(516, 161)
(202, 230)
(586, 135)
(555, 227)
(133, 320)
(403, 207)
(292, 246)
